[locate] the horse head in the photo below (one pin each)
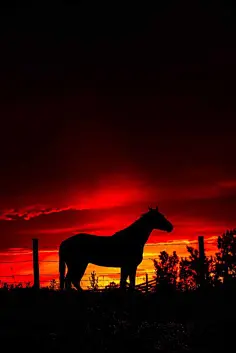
(158, 220)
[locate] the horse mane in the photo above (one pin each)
(132, 225)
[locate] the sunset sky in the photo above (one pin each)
(103, 116)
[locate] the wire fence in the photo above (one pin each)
(17, 268)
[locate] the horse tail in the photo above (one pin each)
(62, 268)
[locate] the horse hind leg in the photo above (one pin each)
(77, 274)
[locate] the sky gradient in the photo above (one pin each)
(103, 117)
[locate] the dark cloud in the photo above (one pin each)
(86, 97)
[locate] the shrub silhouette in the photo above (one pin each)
(53, 285)
(93, 282)
(112, 285)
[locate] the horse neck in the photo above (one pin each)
(141, 230)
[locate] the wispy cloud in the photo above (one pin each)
(111, 195)
(28, 212)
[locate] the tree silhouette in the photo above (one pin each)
(166, 270)
(190, 270)
(226, 256)
(214, 276)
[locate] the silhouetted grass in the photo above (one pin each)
(113, 321)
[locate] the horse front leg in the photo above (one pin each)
(123, 277)
(132, 277)
(68, 281)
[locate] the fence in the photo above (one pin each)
(142, 274)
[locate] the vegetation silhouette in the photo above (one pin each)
(93, 282)
(123, 249)
(225, 263)
(184, 274)
(176, 316)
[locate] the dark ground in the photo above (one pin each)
(48, 321)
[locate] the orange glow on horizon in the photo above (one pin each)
(16, 264)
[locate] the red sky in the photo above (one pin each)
(100, 120)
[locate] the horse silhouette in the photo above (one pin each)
(123, 249)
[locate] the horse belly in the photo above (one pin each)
(105, 260)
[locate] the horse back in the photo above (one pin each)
(84, 242)
(100, 250)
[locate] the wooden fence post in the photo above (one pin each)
(36, 263)
(146, 283)
(201, 260)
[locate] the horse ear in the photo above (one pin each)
(149, 208)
